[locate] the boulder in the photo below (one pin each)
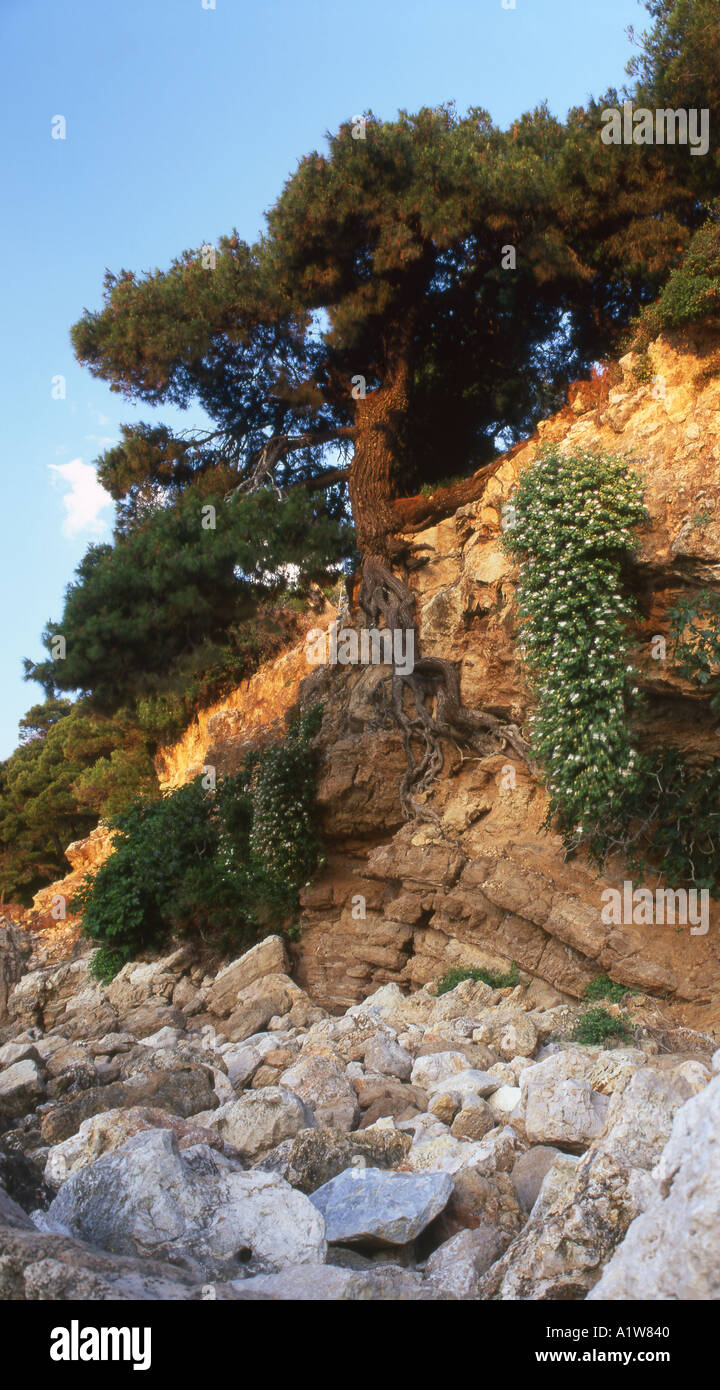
(13, 1052)
(192, 1208)
(572, 1230)
(518, 1039)
(259, 1002)
(503, 1103)
(268, 957)
(528, 1171)
(473, 1121)
(21, 1088)
(466, 1084)
(322, 1083)
(640, 1117)
(385, 1056)
(375, 1207)
(381, 1097)
(557, 1105)
(259, 1120)
(431, 1070)
(457, 1265)
(140, 981)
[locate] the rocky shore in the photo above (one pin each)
(191, 1134)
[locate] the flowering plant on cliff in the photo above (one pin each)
(574, 520)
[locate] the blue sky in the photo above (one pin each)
(183, 122)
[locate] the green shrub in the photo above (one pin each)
(493, 978)
(602, 987)
(692, 292)
(227, 863)
(597, 1025)
(695, 631)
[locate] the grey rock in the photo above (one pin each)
(458, 1264)
(21, 1088)
(375, 1207)
(529, 1170)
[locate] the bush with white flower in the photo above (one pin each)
(575, 516)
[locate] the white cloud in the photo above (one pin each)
(85, 500)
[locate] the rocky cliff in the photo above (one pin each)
(489, 885)
(400, 903)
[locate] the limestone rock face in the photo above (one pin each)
(402, 904)
(14, 951)
(671, 1250)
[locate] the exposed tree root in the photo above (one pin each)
(426, 704)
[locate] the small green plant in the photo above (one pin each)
(596, 1026)
(643, 370)
(106, 962)
(602, 987)
(494, 979)
(428, 489)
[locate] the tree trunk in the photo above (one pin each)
(379, 420)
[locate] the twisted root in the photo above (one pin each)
(434, 711)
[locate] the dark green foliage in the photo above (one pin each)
(695, 626)
(72, 766)
(677, 805)
(227, 863)
(679, 66)
(171, 597)
(602, 987)
(495, 979)
(597, 1026)
(692, 293)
